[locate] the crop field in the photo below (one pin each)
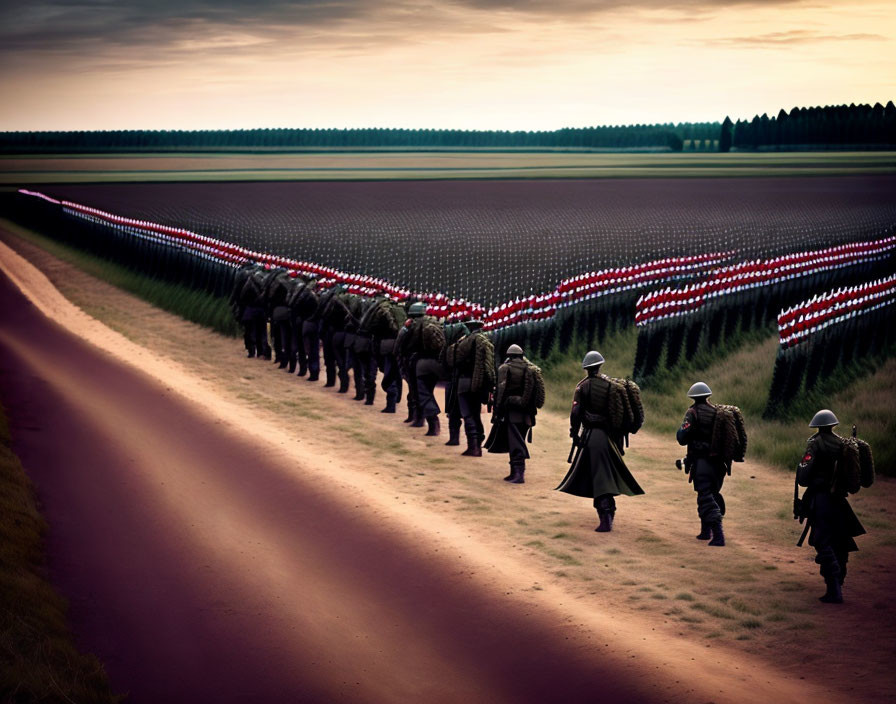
(341, 164)
(491, 240)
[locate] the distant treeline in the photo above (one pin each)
(647, 137)
(832, 127)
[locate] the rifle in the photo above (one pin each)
(572, 450)
(580, 445)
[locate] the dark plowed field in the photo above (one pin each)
(491, 240)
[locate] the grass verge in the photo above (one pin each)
(38, 658)
(741, 375)
(196, 306)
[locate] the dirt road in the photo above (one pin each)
(210, 556)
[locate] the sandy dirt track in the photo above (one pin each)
(208, 557)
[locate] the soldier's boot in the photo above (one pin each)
(303, 368)
(292, 367)
(343, 384)
(418, 421)
(411, 414)
(718, 537)
(474, 449)
(453, 436)
(359, 393)
(390, 407)
(705, 532)
(369, 396)
(512, 473)
(834, 594)
(434, 426)
(606, 523)
(331, 378)
(313, 376)
(519, 475)
(282, 361)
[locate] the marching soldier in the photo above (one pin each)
(715, 437)
(307, 312)
(831, 468)
(472, 361)
(602, 408)
(386, 318)
(407, 359)
(518, 396)
(281, 319)
(453, 332)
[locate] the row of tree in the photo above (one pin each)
(822, 363)
(835, 126)
(649, 137)
(672, 342)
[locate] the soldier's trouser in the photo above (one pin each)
(452, 407)
(413, 396)
(339, 357)
(471, 411)
(298, 347)
(708, 479)
(605, 503)
(282, 334)
(426, 386)
(256, 331)
(831, 555)
(516, 443)
(391, 379)
(276, 340)
(329, 354)
(367, 361)
(311, 345)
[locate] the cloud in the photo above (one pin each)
(58, 26)
(793, 37)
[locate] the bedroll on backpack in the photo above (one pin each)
(633, 411)
(729, 434)
(538, 389)
(858, 464)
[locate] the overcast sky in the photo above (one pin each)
(472, 64)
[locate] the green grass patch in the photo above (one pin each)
(196, 306)
(39, 659)
(740, 374)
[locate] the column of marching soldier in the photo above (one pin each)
(414, 352)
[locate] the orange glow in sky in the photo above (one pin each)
(472, 64)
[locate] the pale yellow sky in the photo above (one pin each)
(474, 64)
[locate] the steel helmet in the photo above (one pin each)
(823, 419)
(592, 359)
(514, 350)
(699, 390)
(417, 309)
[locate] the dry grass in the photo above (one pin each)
(40, 662)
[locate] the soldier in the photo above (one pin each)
(247, 296)
(307, 311)
(602, 407)
(428, 340)
(518, 396)
(407, 360)
(334, 315)
(353, 313)
(295, 291)
(831, 468)
(242, 299)
(365, 352)
(472, 361)
(384, 321)
(715, 437)
(453, 332)
(281, 319)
